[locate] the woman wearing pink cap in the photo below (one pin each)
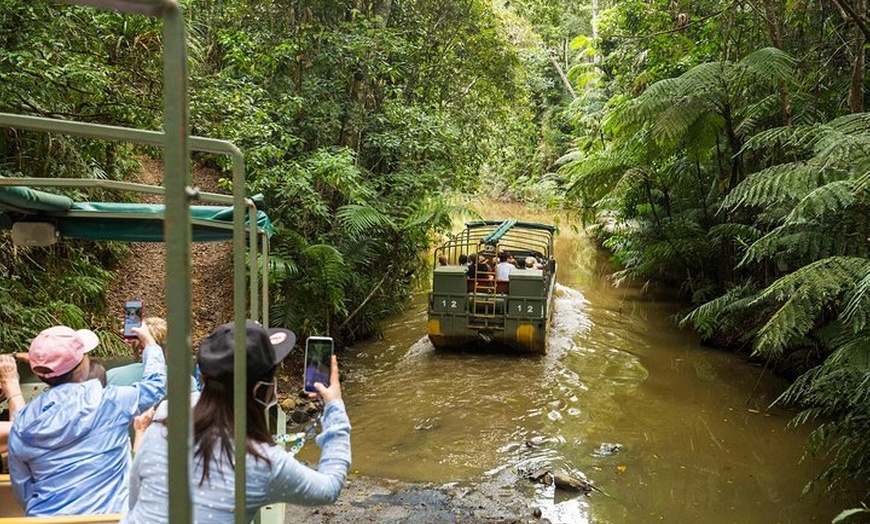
(69, 449)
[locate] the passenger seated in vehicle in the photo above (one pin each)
(131, 373)
(472, 266)
(532, 263)
(504, 268)
(463, 261)
(273, 475)
(69, 449)
(477, 268)
(442, 260)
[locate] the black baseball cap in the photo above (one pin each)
(265, 348)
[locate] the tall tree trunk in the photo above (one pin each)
(774, 25)
(361, 88)
(856, 13)
(856, 83)
(565, 81)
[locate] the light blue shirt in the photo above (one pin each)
(69, 449)
(283, 479)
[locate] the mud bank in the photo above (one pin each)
(503, 499)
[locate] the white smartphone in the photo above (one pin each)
(132, 317)
(318, 362)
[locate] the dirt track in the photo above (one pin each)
(212, 292)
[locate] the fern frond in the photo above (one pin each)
(792, 244)
(357, 219)
(755, 114)
(708, 318)
(779, 184)
(803, 295)
(705, 81)
(856, 310)
(829, 200)
(768, 65)
(851, 124)
(740, 235)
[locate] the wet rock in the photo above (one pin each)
(567, 482)
(543, 476)
(608, 448)
(300, 409)
(562, 480)
(537, 441)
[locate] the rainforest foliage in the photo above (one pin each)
(717, 146)
(356, 119)
(724, 147)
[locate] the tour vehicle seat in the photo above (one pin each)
(12, 513)
(112, 518)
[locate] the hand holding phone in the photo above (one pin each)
(318, 362)
(132, 317)
(333, 392)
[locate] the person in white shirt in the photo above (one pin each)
(504, 268)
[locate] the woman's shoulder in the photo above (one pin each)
(270, 451)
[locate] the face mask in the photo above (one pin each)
(271, 394)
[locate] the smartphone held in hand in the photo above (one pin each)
(318, 362)
(132, 317)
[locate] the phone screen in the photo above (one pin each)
(318, 362)
(132, 317)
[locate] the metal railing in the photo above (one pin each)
(176, 143)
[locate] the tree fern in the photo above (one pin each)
(780, 184)
(804, 295)
(358, 219)
(828, 200)
(715, 315)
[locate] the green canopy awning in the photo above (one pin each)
(113, 221)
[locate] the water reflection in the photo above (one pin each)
(695, 442)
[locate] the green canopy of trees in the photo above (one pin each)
(358, 121)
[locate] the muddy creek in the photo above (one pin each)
(697, 442)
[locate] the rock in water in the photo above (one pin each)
(569, 483)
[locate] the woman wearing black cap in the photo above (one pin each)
(273, 475)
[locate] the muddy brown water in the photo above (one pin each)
(698, 442)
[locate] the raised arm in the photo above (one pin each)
(146, 393)
(22, 479)
(9, 384)
(298, 484)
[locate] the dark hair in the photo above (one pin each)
(213, 424)
(463, 259)
(502, 257)
(97, 371)
(55, 381)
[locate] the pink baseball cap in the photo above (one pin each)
(59, 349)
